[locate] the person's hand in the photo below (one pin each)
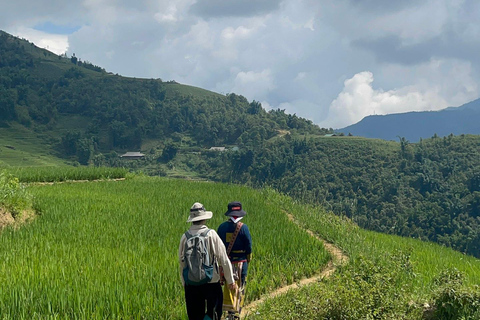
(232, 286)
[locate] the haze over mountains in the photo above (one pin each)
(415, 125)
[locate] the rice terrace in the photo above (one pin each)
(106, 249)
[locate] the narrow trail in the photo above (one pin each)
(338, 258)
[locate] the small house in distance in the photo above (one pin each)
(221, 149)
(132, 155)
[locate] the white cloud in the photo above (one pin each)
(359, 99)
(241, 32)
(302, 108)
(57, 44)
(254, 85)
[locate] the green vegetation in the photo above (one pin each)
(429, 190)
(109, 249)
(388, 277)
(54, 106)
(59, 174)
(109, 112)
(20, 146)
(13, 196)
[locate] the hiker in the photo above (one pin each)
(200, 252)
(238, 241)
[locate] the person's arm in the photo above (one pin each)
(222, 258)
(181, 263)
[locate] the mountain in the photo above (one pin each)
(83, 110)
(54, 109)
(415, 125)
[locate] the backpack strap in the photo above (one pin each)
(188, 235)
(234, 237)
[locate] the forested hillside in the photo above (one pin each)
(89, 110)
(429, 190)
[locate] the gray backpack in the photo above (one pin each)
(199, 264)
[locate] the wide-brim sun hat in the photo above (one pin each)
(198, 213)
(235, 210)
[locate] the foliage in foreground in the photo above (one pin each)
(388, 277)
(13, 196)
(364, 289)
(452, 300)
(108, 250)
(381, 290)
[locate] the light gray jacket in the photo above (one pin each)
(217, 250)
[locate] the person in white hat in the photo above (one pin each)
(209, 294)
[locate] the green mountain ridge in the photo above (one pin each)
(40, 90)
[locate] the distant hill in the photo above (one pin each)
(415, 125)
(82, 110)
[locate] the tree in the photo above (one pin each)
(169, 152)
(84, 150)
(69, 143)
(74, 59)
(7, 104)
(255, 107)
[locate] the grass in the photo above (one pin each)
(388, 277)
(60, 174)
(190, 90)
(20, 146)
(109, 249)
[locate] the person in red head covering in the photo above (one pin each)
(238, 242)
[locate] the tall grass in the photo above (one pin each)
(108, 250)
(64, 173)
(388, 277)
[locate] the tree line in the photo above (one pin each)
(428, 190)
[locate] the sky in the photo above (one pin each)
(331, 61)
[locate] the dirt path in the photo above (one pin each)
(338, 258)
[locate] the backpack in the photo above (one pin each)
(199, 264)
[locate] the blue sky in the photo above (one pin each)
(49, 27)
(331, 61)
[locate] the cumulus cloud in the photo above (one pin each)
(359, 99)
(55, 43)
(254, 84)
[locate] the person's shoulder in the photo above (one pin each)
(212, 233)
(244, 225)
(223, 225)
(213, 236)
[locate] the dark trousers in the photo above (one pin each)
(244, 272)
(209, 295)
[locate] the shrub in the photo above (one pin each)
(13, 196)
(452, 300)
(364, 289)
(373, 289)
